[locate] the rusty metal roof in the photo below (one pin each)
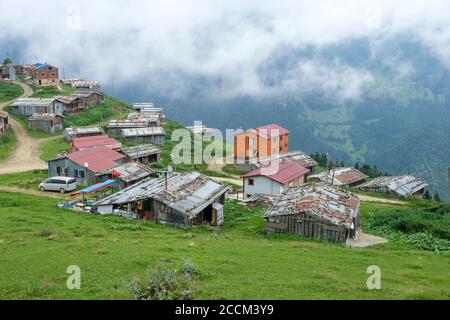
(96, 159)
(129, 172)
(283, 172)
(342, 176)
(95, 141)
(322, 200)
(188, 192)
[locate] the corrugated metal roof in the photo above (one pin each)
(297, 156)
(142, 132)
(97, 159)
(137, 123)
(129, 172)
(32, 102)
(286, 172)
(189, 192)
(44, 116)
(342, 176)
(83, 130)
(324, 201)
(403, 185)
(95, 141)
(142, 150)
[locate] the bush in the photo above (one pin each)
(166, 282)
(431, 220)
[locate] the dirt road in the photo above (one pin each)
(32, 192)
(25, 156)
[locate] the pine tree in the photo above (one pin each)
(427, 195)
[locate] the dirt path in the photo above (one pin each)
(25, 156)
(364, 240)
(380, 200)
(33, 192)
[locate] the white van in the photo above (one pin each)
(61, 184)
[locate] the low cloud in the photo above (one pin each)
(222, 44)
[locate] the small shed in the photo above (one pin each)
(153, 119)
(349, 177)
(316, 211)
(92, 98)
(188, 199)
(398, 185)
(29, 106)
(154, 135)
(79, 132)
(115, 127)
(143, 153)
(70, 104)
(126, 174)
(46, 122)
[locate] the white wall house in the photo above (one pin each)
(258, 181)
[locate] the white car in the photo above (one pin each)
(61, 184)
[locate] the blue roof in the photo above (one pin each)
(97, 187)
(40, 66)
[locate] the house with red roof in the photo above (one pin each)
(83, 143)
(261, 142)
(272, 179)
(84, 165)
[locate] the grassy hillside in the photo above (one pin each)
(39, 241)
(7, 143)
(51, 91)
(9, 91)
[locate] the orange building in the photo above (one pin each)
(261, 142)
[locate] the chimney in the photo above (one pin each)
(165, 181)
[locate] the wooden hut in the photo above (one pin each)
(316, 211)
(154, 135)
(46, 122)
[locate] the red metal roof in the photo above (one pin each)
(287, 171)
(270, 131)
(95, 141)
(97, 159)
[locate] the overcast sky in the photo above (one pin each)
(166, 42)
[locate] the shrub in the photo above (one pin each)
(166, 282)
(47, 233)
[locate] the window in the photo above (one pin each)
(76, 173)
(251, 182)
(252, 142)
(81, 174)
(58, 171)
